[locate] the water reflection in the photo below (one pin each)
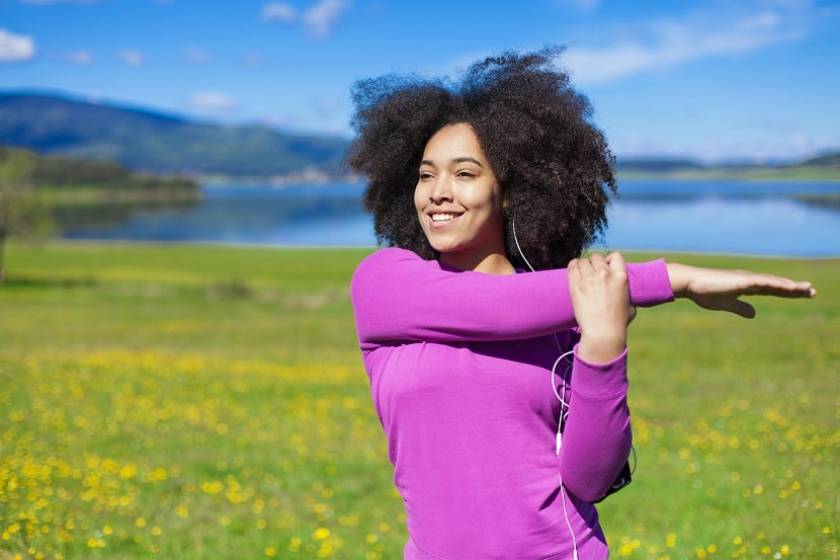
(740, 217)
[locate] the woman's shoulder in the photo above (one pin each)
(387, 255)
(391, 253)
(386, 264)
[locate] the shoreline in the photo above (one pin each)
(247, 245)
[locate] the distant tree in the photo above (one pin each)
(22, 213)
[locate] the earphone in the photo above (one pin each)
(564, 405)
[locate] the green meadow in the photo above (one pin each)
(189, 401)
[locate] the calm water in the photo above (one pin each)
(719, 216)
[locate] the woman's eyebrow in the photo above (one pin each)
(456, 160)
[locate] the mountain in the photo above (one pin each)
(145, 140)
(823, 167)
(827, 160)
(652, 165)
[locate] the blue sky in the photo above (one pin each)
(714, 80)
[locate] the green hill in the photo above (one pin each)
(824, 167)
(151, 141)
(828, 159)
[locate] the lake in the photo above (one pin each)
(745, 217)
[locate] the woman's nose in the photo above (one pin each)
(441, 189)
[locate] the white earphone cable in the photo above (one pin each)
(564, 407)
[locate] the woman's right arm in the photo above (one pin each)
(398, 296)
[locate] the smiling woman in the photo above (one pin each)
(459, 342)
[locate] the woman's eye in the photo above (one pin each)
(461, 174)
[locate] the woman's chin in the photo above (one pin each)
(446, 247)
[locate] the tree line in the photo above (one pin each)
(34, 189)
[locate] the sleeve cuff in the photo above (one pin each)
(600, 380)
(649, 283)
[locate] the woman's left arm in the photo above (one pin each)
(597, 434)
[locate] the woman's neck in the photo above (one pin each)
(490, 263)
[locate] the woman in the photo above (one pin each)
(468, 184)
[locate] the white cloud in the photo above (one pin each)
(132, 57)
(15, 48)
(83, 56)
(322, 16)
(195, 54)
(319, 19)
(722, 30)
(668, 42)
(279, 11)
(212, 101)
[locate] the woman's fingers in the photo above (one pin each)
(768, 284)
(616, 260)
(573, 269)
(745, 283)
(783, 291)
(598, 261)
(585, 266)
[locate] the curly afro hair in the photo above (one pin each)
(552, 164)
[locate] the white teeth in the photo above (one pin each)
(442, 217)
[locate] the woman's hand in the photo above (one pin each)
(601, 299)
(719, 289)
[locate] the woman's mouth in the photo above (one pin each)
(442, 219)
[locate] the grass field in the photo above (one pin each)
(210, 402)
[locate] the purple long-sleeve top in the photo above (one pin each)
(459, 363)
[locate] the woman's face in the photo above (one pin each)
(455, 179)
